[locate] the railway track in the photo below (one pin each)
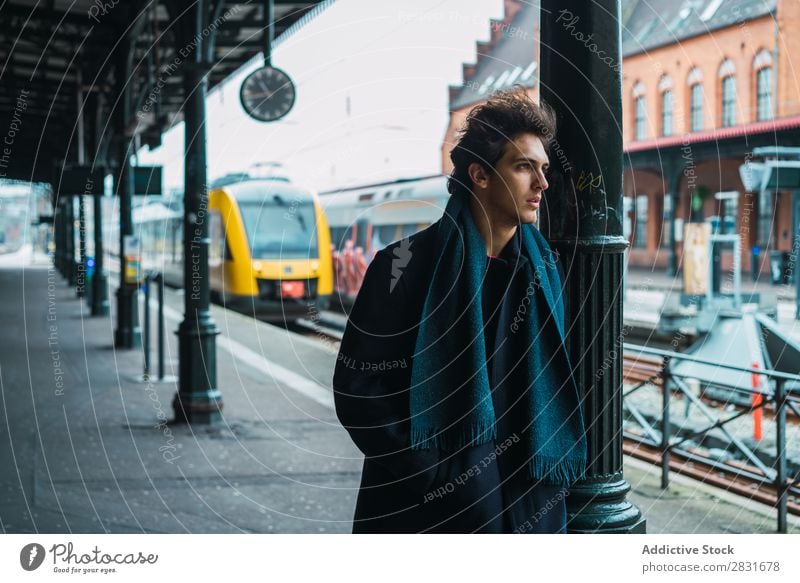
(324, 329)
(642, 369)
(713, 476)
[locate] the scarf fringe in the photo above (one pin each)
(477, 433)
(555, 470)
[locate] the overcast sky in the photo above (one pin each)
(394, 65)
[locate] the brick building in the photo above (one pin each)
(700, 80)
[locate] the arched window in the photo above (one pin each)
(729, 101)
(666, 113)
(727, 72)
(763, 67)
(695, 82)
(667, 105)
(640, 112)
(764, 93)
(696, 108)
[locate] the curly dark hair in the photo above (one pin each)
(493, 124)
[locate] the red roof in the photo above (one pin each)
(761, 127)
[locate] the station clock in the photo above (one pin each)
(267, 94)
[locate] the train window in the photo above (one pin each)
(409, 230)
(361, 234)
(280, 229)
(217, 233)
(386, 234)
(339, 235)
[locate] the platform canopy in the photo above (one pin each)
(114, 50)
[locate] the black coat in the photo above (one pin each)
(477, 489)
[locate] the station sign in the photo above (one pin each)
(75, 180)
(148, 180)
(72, 180)
(696, 247)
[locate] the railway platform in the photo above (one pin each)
(89, 448)
(647, 291)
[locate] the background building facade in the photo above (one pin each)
(704, 82)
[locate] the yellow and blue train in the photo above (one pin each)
(270, 249)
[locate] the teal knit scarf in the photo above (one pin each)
(450, 395)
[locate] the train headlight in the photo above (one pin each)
(256, 266)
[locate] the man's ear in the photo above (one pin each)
(478, 175)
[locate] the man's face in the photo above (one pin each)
(512, 193)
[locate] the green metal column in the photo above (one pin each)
(58, 236)
(198, 399)
(80, 277)
(128, 333)
(69, 247)
(100, 306)
(673, 172)
(582, 217)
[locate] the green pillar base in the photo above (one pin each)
(198, 400)
(203, 408)
(600, 507)
(100, 304)
(128, 333)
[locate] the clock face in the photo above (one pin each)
(267, 94)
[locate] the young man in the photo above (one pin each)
(453, 378)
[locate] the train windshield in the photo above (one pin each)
(280, 229)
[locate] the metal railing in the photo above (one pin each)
(659, 434)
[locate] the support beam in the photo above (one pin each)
(59, 237)
(198, 399)
(81, 145)
(70, 271)
(582, 217)
(128, 333)
(100, 306)
(672, 175)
